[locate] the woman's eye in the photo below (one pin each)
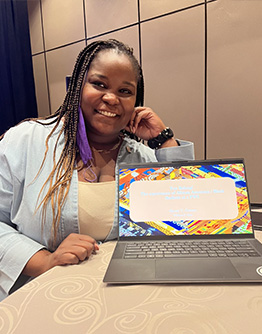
(99, 84)
(125, 91)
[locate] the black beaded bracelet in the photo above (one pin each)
(159, 140)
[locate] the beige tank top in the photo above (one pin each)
(96, 204)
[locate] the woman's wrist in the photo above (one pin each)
(170, 143)
(164, 139)
(39, 263)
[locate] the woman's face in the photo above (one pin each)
(108, 95)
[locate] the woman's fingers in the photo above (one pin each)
(73, 249)
(145, 123)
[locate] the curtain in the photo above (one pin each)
(17, 90)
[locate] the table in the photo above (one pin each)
(73, 299)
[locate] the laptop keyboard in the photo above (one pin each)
(173, 249)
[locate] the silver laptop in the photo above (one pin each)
(184, 222)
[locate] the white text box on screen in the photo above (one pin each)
(183, 199)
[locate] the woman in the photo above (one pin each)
(57, 175)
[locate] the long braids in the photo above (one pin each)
(60, 177)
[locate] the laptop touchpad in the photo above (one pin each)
(195, 269)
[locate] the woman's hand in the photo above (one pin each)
(73, 249)
(146, 124)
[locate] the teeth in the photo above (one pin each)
(106, 113)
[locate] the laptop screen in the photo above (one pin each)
(175, 199)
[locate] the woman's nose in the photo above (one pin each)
(110, 98)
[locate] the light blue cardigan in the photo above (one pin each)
(21, 154)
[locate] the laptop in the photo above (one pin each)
(184, 222)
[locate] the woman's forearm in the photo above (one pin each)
(38, 264)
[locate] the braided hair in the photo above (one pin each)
(60, 177)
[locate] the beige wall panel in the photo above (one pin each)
(151, 8)
(40, 85)
(173, 64)
(60, 63)
(128, 36)
(63, 22)
(35, 26)
(104, 15)
(234, 85)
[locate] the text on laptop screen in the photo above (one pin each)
(188, 200)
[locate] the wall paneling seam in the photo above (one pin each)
(45, 60)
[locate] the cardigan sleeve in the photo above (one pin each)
(15, 248)
(183, 152)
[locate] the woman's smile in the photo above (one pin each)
(106, 113)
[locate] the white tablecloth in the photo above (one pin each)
(73, 299)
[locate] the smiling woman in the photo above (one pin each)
(57, 181)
